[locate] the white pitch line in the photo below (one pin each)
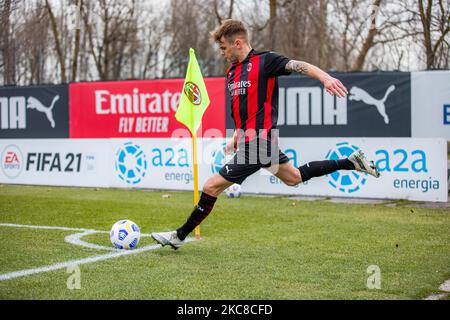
(75, 239)
(62, 265)
(57, 228)
(44, 227)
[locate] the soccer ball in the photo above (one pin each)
(125, 234)
(234, 191)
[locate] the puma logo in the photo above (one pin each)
(359, 94)
(33, 103)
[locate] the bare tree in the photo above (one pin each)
(130, 39)
(7, 44)
(298, 30)
(56, 35)
(112, 34)
(229, 15)
(35, 42)
(363, 29)
(76, 50)
(189, 27)
(272, 23)
(370, 38)
(323, 61)
(435, 20)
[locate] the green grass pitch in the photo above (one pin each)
(251, 248)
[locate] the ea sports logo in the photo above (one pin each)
(345, 181)
(12, 161)
(192, 91)
(131, 163)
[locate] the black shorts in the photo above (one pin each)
(250, 157)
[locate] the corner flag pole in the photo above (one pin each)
(195, 167)
(193, 102)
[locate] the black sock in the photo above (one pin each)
(321, 168)
(200, 212)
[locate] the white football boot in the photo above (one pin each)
(362, 164)
(168, 238)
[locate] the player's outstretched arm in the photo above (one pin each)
(332, 85)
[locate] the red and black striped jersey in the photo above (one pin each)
(253, 89)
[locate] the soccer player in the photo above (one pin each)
(253, 88)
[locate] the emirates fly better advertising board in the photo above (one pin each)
(141, 109)
(413, 169)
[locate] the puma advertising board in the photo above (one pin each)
(377, 105)
(34, 112)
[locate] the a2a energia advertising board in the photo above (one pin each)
(414, 169)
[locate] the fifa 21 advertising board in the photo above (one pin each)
(137, 163)
(55, 162)
(140, 109)
(413, 169)
(34, 112)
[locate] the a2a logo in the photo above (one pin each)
(131, 163)
(170, 157)
(413, 163)
(343, 180)
(401, 160)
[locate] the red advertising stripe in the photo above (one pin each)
(142, 108)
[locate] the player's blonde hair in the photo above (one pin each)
(229, 29)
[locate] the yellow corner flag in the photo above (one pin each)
(193, 102)
(194, 99)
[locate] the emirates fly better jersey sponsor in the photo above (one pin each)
(252, 86)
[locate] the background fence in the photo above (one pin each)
(118, 134)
